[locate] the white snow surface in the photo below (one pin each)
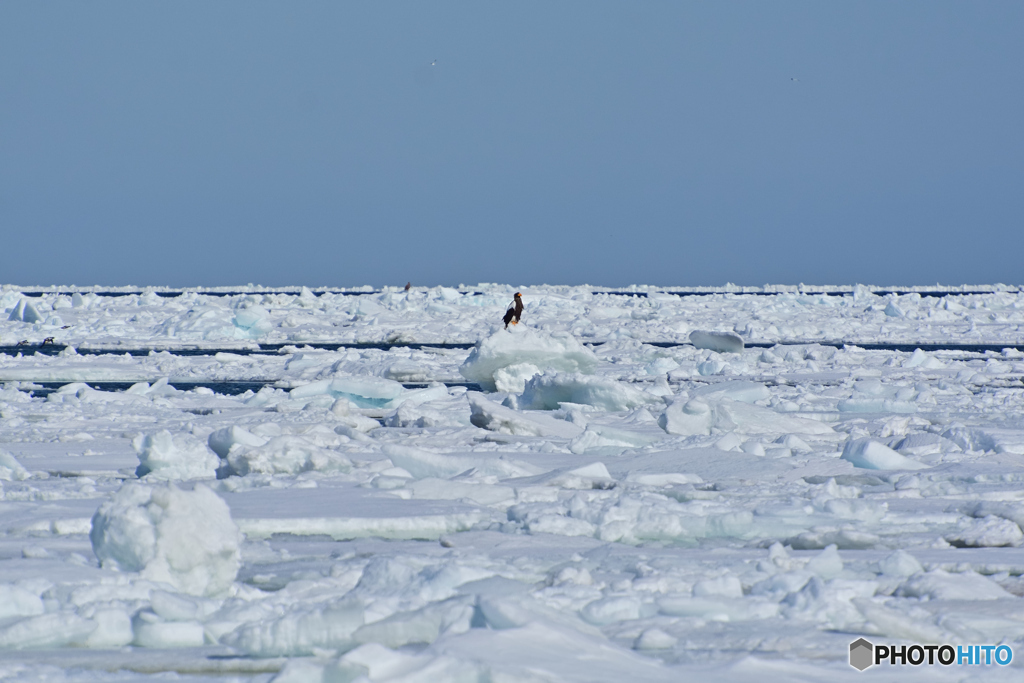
(592, 507)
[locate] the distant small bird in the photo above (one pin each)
(514, 312)
(433, 63)
(408, 286)
(794, 78)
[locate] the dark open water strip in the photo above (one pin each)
(938, 292)
(908, 347)
(869, 346)
(172, 295)
(275, 349)
(260, 350)
(226, 388)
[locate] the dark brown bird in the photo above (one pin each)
(408, 286)
(514, 312)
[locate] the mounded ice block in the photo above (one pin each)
(722, 342)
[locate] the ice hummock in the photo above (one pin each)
(870, 454)
(551, 389)
(186, 539)
(174, 456)
(722, 342)
(521, 346)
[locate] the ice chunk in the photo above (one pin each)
(342, 409)
(11, 469)
(666, 479)
(721, 586)
(25, 312)
(420, 626)
(730, 442)
(753, 447)
(369, 392)
(828, 603)
(407, 415)
(251, 323)
(827, 565)
(611, 609)
(539, 651)
(900, 563)
(423, 464)
(409, 371)
(560, 526)
(1010, 511)
(661, 366)
(365, 392)
(754, 419)
(710, 367)
(508, 610)
(286, 455)
(592, 476)
(558, 351)
(870, 386)
(434, 392)
(444, 489)
(870, 454)
(173, 606)
(925, 444)
(722, 342)
(150, 631)
(897, 624)
(793, 442)
(736, 390)
(418, 527)
(894, 311)
(512, 379)
(184, 538)
(655, 639)
(113, 629)
(920, 359)
(718, 608)
(970, 439)
(550, 390)
(181, 456)
(221, 441)
(687, 418)
(608, 439)
(375, 662)
(16, 601)
(822, 537)
(303, 630)
(940, 585)
(699, 414)
(988, 532)
(308, 670)
(46, 631)
(497, 418)
(876, 405)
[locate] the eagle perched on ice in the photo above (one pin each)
(514, 312)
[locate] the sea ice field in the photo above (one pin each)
(645, 484)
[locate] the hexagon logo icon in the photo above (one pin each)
(862, 654)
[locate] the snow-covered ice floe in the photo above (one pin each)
(648, 487)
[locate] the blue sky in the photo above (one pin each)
(195, 143)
